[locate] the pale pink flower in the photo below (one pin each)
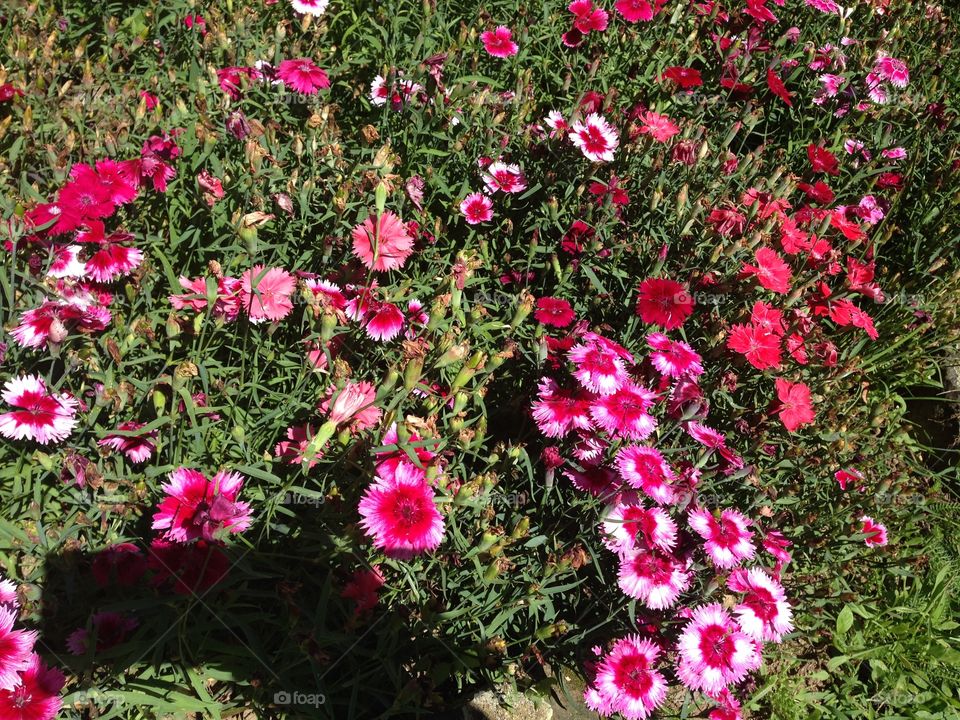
(384, 246)
(265, 294)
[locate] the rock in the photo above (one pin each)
(507, 705)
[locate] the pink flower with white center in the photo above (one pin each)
(138, 447)
(15, 649)
(601, 364)
(265, 294)
(558, 410)
(354, 406)
(652, 577)
(499, 42)
(42, 416)
(399, 513)
(832, 84)
(897, 153)
(8, 595)
(673, 358)
(503, 177)
(660, 127)
(764, 614)
(624, 413)
(477, 208)
(876, 532)
(644, 468)
(310, 7)
(556, 123)
(727, 537)
(714, 651)
(630, 526)
(198, 508)
(627, 681)
(595, 138)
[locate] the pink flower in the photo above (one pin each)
(498, 43)
(627, 681)
(16, 647)
(196, 507)
(112, 261)
(477, 208)
(771, 271)
(624, 413)
(794, 407)
(265, 294)
(600, 364)
(824, 6)
(776, 544)
(764, 614)
(631, 526)
(714, 651)
(43, 416)
(588, 18)
(660, 127)
(554, 311)
(295, 448)
(503, 177)
(137, 447)
(384, 246)
(353, 406)
(845, 477)
(644, 468)
(727, 537)
(673, 358)
(37, 696)
(637, 10)
(362, 589)
(595, 138)
(399, 513)
(652, 577)
(557, 411)
(664, 302)
(303, 75)
(876, 532)
(310, 7)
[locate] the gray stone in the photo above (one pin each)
(507, 704)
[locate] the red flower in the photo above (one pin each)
(822, 160)
(778, 88)
(819, 192)
(685, 77)
(759, 345)
(794, 409)
(554, 311)
(664, 302)
(771, 271)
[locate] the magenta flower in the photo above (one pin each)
(627, 681)
(876, 532)
(16, 647)
(499, 42)
(196, 507)
(644, 468)
(477, 208)
(399, 513)
(595, 138)
(764, 614)
(653, 577)
(37, 696)
(727, 536)
(714, 651)
(137, 447)
(303, 76)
